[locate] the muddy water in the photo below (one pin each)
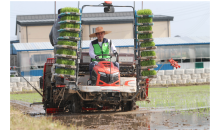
(141, 119)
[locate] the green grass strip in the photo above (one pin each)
(27, 97)
(66, 52)
(148, 53)
(147, 73)
(69, 25)
(148, 63)
(69, 9)
(147, 44)
(72, 34)
(70, 43)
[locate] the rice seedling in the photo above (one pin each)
(144, 36)
(65, 61)
(64, 42)
(65, 71)
(148, 63)
(144, 28)
(148, 53)
(147, 73)
(69, 9)
(70, 17)
(69, 25)
(71, 34)
(66, 52)
(147, 44)
(144, 12)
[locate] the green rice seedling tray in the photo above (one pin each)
(64, 75)
(69, 38)
(148, 63)
(65, 51)
(147, 57)
(145, 40)
(147, 44)
(66, 42)
(144, 16)
(144, 32)
(148, 67)
(69, 21)
(147, 48)
(148, 53)
(70, 30)
(64, 61)
(66, 46)
(144, 24)
(65, 66)
(70, 13)
(65, 56)
(145, 77)
(69, 25)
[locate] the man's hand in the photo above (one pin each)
(115, 52)
(96, 57)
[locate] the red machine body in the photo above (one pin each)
(104, 67)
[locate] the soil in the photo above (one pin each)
(141, 118)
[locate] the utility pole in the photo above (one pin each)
(78, 4)
(142, 4)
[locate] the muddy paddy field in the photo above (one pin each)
(185, 107)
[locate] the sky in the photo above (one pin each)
(190, 18)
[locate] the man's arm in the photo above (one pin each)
(91, 51)
(51, 37)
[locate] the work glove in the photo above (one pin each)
(96, 57)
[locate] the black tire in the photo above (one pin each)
(76, 104)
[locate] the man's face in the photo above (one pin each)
(100, 35)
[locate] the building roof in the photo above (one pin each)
(36, 46)
(167, 41)
(87, 18)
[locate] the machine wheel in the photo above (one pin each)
(129, 106)
(75, 104)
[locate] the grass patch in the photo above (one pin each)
(19, 121)
(27, 97)
(178, 97)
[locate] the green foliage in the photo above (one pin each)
(63, 42)
(144, 36)
(147, 73)
(148, 63)
(70, 17)
(148, 53)
(69, 9)
(71, 34)
(147, 44)
(66, 52)
(144, 28)
(65, 61)
(69, 25)
(65, 71)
